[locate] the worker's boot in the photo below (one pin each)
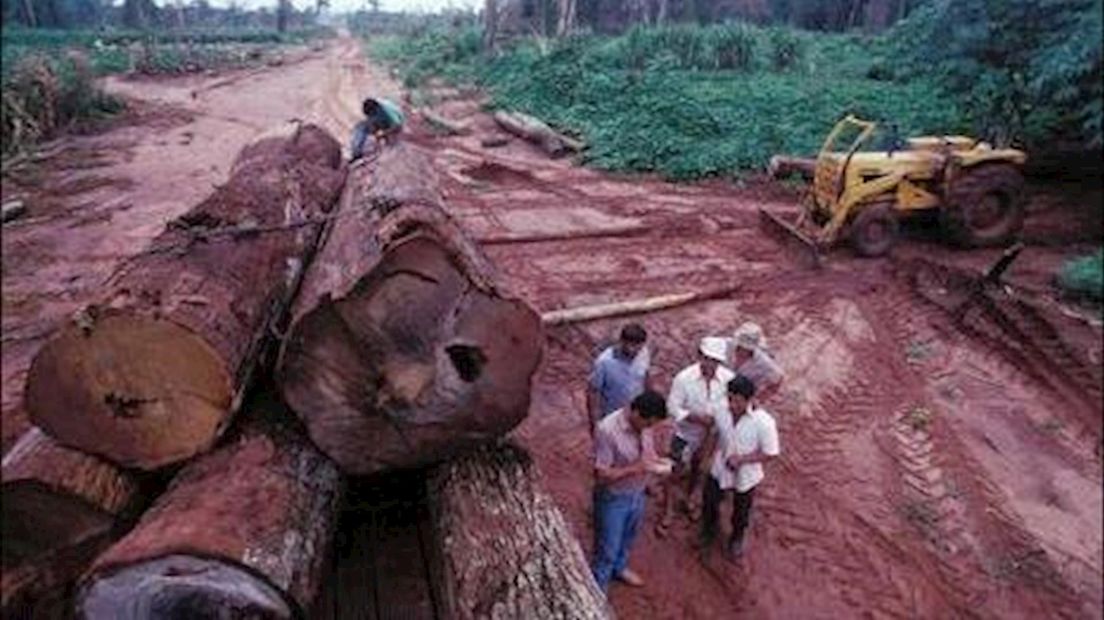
(734, 549)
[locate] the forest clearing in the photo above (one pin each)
(367, 380)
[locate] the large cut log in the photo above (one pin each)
(59, 508)
(241, 532)
(403, 349)
(150, 376)
(536, 131)
(505, 549)
(56, 497)
(42, 587)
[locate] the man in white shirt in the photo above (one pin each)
(747, 437)
(697, 396)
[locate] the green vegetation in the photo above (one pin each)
(1025, 71)
(684, 101)
(690, 100)
(1084, 277)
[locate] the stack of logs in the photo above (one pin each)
(304, 325)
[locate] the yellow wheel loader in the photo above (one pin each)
(861, 195)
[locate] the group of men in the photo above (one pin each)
(714, 416)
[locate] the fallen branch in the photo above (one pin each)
(631, 230)
(634, 306)
(448, 125)
(536, 131)
(783, 166)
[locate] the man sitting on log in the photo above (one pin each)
(621, 468)
(383, 120)
(619, 375)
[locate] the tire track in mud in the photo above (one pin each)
(961, 514)
(1012, 328)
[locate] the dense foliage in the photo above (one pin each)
(1026, 71)
(686, 102)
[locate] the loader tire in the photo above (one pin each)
(985, 206)
(874, 230)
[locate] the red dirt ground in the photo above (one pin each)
(988, 506)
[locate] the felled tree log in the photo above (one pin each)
(783, 166)
(241, 533)
(448, 125)
(59, 508)
(505, 549)
(402, 348)
(150, 376)
(56, 497)
(536, 131)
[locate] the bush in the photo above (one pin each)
(1024, 70)
(43, 95)
(787, 50)
(1084, 277)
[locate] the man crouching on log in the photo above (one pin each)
(621, 468)
(382, 123)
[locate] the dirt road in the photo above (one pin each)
(928, 469)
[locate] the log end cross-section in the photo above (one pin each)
(404, 349)
(149, 376)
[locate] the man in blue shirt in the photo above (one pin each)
(382, 122)
(620, 374)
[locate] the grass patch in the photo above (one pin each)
(1084, 277)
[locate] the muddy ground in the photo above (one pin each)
(929, 469)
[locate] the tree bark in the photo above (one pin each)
(56, 497)
(403, 349)
(241, 532)
(151, 376)
(60, 508)
(43, 586)
(536, 131)
(566, 22)
(505, 549)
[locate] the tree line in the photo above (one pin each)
(145, 14)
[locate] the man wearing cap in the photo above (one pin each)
(749, 357)
(621, 470)
(747, 437)
(697, 396)
(620, 374)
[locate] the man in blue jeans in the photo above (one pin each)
(621, 468)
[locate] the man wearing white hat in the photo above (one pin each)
(698, 394)
(749, 357)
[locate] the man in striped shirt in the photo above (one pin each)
(621, 469)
